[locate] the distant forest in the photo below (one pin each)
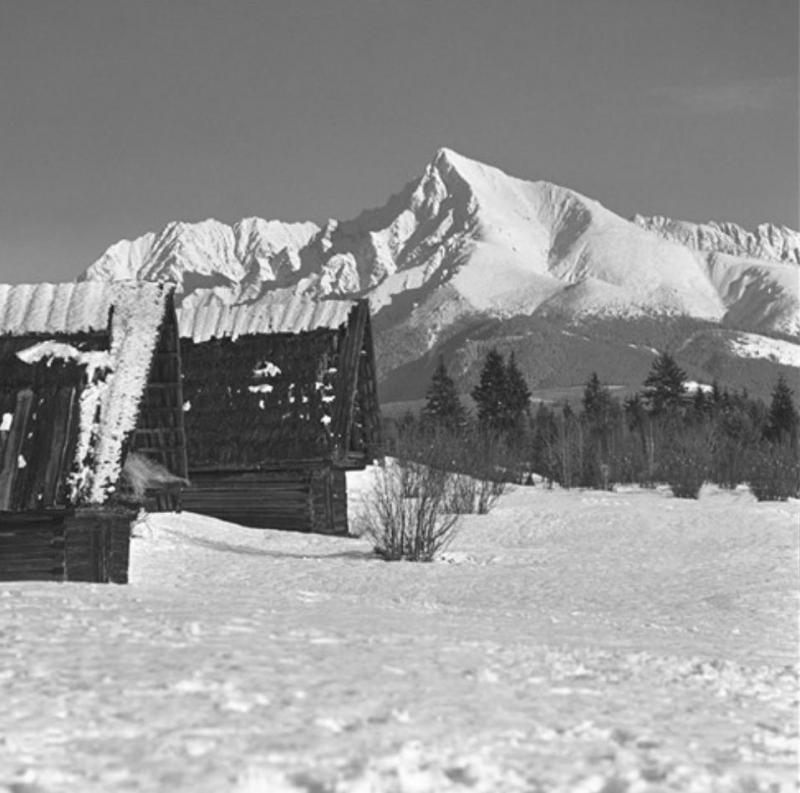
(663, 433)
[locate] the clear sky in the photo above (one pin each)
(117, 116)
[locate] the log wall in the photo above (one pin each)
(88, 544)
(312, 499)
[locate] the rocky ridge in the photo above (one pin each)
(466, 244)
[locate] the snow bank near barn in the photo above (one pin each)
(569, 641)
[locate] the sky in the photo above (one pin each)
(119, 116)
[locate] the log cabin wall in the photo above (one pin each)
(312, 499)
(43, 534)
(84, 544)
(274, 420)
(39, 410)
(236, 416)
(272, 398)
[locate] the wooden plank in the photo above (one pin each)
(64, 442)
(14, 441)
(299, 500)
(30, 544)
(347, 381)
(55, 574)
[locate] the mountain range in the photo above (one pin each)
(467, 257)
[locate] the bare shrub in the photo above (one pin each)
(412, 527)
(461, 498)
(489, 460)
(774, 472)
(478, 464)
(489, 490)
(684, 465)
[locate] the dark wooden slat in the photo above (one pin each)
(306, 500)
(16, 436)
(64, 441)
(56, 574)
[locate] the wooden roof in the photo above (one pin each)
(206, 316)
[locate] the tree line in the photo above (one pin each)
(663, 433)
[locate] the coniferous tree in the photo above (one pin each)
(700, 404)
(634, 411)
(597, 415)
(544, 443)
(490, 394)
(782, 418)
(663, 387)
(443, 407)
(518, 395)
(596, 401)
(716, 394)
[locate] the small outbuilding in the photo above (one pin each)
(91, 415)
(280, 400)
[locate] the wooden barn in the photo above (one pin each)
(91, 414)
(279, 405)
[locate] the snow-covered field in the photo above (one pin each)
(569, 641)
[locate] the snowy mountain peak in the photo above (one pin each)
(466, 239)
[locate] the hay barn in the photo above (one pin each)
(89, 374)
(279, 405)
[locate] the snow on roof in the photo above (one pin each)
(70, 307)
(117, 389)
(209, 317)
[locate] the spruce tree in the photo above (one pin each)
(490, 394)
(782, 419)
(596, 401)
(518, 395)
(663, 387)
(699, 403)
(443, 407)
(597, 418)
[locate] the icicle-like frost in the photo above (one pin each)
(134, 332)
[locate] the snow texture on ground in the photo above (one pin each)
(569, 641)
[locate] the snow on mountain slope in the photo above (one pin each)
(503, 246)
(534, 240)
(757, 295)
(751, 345)
(768, 241)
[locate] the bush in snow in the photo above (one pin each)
(406, 511)
(461, 498)
(684, 464)
(775, 472)
(479, 463)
